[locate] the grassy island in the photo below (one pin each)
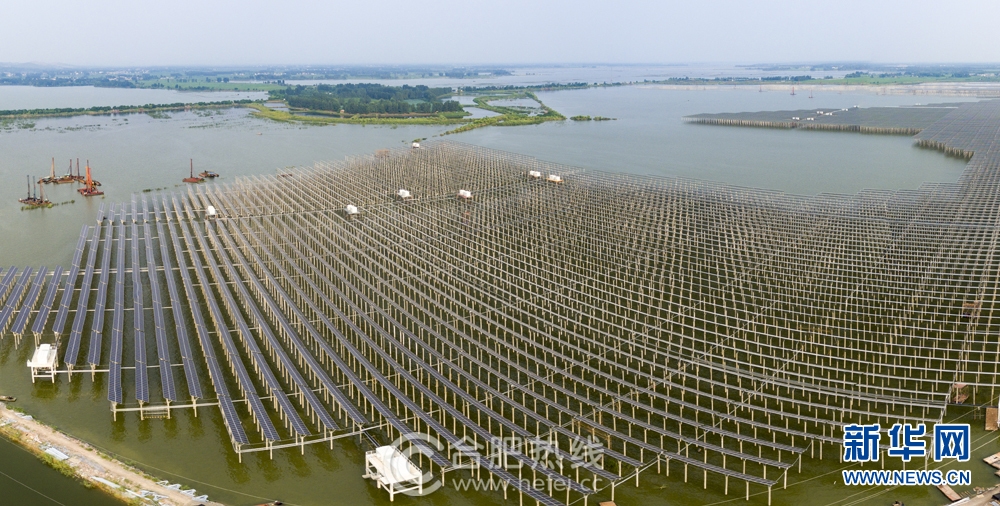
(400, 105)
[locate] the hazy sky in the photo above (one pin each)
(220, 32)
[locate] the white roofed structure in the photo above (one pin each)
(393, 471)
(43, 363)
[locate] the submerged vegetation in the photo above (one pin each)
(510, 115)
(319, 118)
(154, 110)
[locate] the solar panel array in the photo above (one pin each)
(14, 299)
(50, 297)
(97, 325)
(680, 322)
(29, 302)
(76, 332)
(117, 326)
(159, 321)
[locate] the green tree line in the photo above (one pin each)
(369, 98)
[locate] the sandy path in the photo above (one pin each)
(88, 463)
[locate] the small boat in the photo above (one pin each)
(7, 398)
(209, 174)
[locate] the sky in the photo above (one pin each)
(254, 32)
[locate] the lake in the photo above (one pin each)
(131, 153)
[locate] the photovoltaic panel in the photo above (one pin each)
(21, 320)
(138, 312)
(74, 271)
(97, 327)
(159, 324)
(346, 404)
(273, 342)
(180, 325)
(8, 279)
(243, 378)
(260, 363)
(232, 420)
(156, 209)
(115, 383)
(14, 299)
(47, 301)
(214, 370)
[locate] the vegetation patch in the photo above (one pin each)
(6, 116)
(368, 98)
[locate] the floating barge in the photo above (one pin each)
(34, 200)
(192, 178)
(89, 190)
(52, 179)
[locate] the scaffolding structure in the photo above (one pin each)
(687, 326)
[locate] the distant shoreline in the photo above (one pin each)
(983, 90)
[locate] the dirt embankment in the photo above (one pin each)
(123, 481)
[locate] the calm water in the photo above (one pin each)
(24, 479)
(30, 97)
(135, 152)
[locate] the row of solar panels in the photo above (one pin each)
(159, 323)
(272, 341)
(365, 314)
(418, 410)
(232, 352)
(117, 324)
(261, 418)
(14, 299)
(229, 415)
